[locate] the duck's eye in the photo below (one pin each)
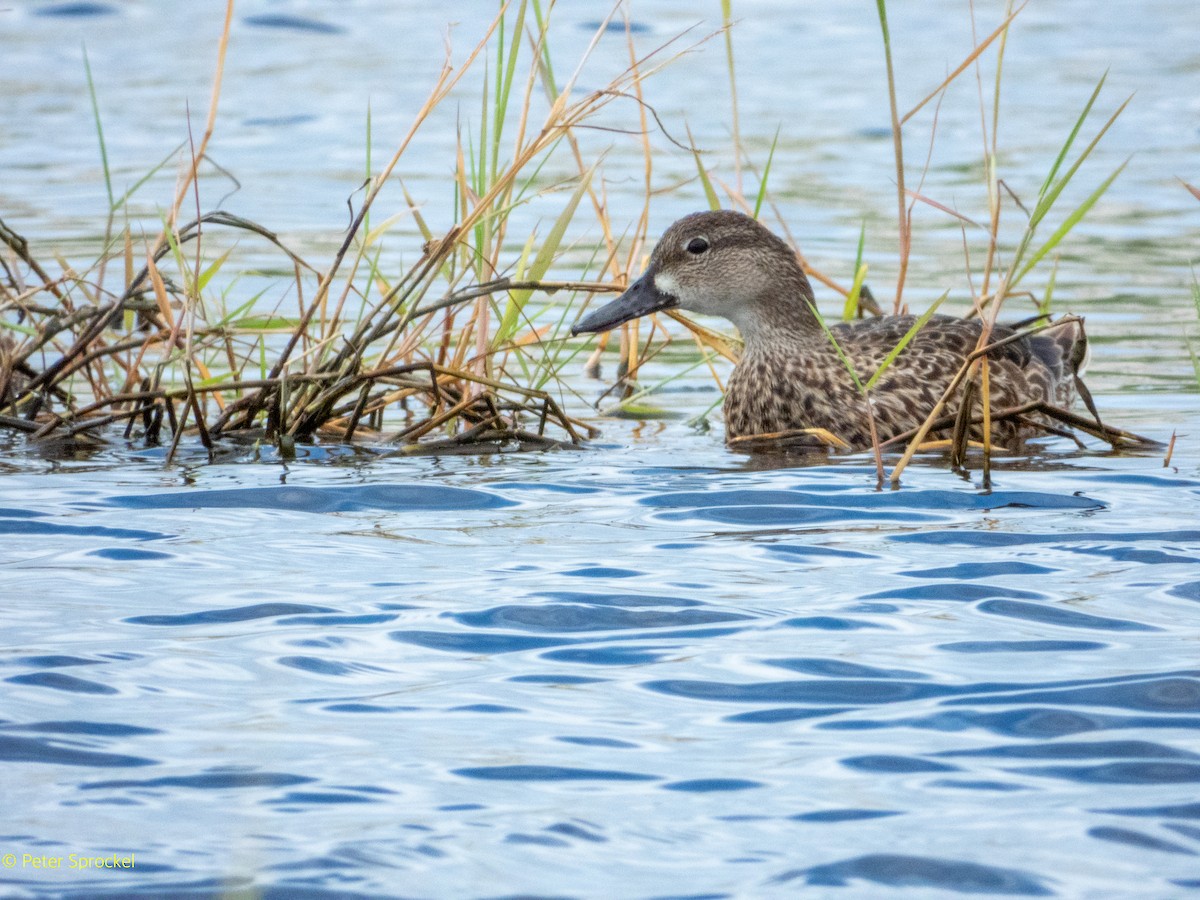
(697, 245)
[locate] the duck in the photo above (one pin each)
(790, 377)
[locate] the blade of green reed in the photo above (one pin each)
(709, 193)
(1195, 360)
(541, 262)
(207, 275)
(1070, 222)
(508, 321)
(727, 22)
(1044, 306)
(504, 80)
(546, 66)
(236, 315)
(838, 349)
(630, 404)
(1066, 148)
(1191, 348)
(908, 336)
(87, 67)
(1044, 203)
(367, 217)
(762, 185)
(850, 310)
(898, 151)
(120, 201)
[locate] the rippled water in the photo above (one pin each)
(651, 668)
(602, 673)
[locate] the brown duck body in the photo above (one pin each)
(804, 384)
(790, 375)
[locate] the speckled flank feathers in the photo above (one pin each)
(790, 376)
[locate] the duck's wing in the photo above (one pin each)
(1061, 348)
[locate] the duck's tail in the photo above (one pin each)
(1063, 349)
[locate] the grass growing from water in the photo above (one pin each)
(448, 352)
(452, 351)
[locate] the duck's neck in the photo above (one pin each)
(782, 315)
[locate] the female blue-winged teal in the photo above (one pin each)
(790, 376)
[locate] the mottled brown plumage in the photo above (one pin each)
(790, 376)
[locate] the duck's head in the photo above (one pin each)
(720, 263)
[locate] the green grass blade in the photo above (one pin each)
(207, 275)
(1044, 306)
(367, 180)
(1191, 348)
(1062, 154)
(838, 349)
(762, 186)
(1070, 222)
(546, 66)
(541, 262)
(1045, 202)
(709, 193)
(119, 202)
(87, 68)
(908, 336)
(504, 81)
(850, 310)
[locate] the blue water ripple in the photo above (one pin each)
(99, 729)
(81, 10)
(710, 785)
(1165, 694)
(218, 780)
(548, 773)
(234, 614)
(833, 691)
(1031, 722)
(127, 554)
(290, 22)
(475, 644)
(882, 764)
(829, 623)
(607, 656)
(1058, 615)
(21, 749)
(786, 714)
(559, 618)
(1032, 646)
(29, 527)
(51, 661)
(837, 668)
(975, 570)
(1188, 591)
(1136, 839)
(397, 497)
(1171, 811)
(1121, 773)
(60, 682)
(1079, 750)
(895, 870)
(833, 816)
(584, 741)
(953, 591)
